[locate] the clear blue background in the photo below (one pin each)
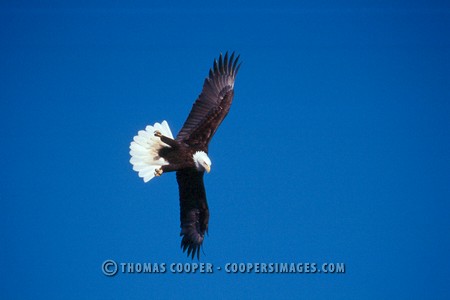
(336, 148)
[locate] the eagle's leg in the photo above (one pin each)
(172, 143)
(172, 167)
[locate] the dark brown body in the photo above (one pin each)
(178, 155)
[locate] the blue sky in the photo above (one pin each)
(336, 148)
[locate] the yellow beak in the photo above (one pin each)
(207, 168)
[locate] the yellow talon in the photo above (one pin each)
(158, 172)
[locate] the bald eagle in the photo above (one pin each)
(154, 151)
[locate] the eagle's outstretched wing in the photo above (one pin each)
(212, 105)
(194, 213)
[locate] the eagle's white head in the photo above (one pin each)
(202, 161)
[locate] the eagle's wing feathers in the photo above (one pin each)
(194, 213)
(213, 104)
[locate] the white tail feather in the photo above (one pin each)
(144, 150)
